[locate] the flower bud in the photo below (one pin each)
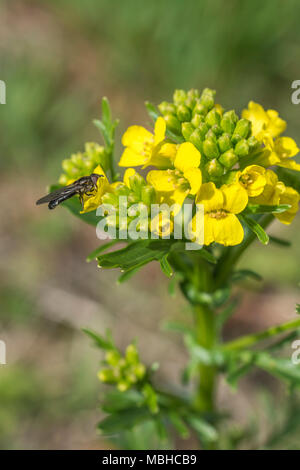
(203, 129)
(242, 148)
(173, 124)
(216, 129)
(207, 98)
(228, 121)
(179, 97)
(139, 371)
(211, 135)
(107, 375)
(199, 108)
(228, 158)
(242, 130)
(224, 142)
(197, 120)
(212, 117)
(183, 113)
(253, 143)
(195, 138)
(112, 358)
(131, 354)
(136, 181)
(214, 168)
(193, 94)
(210, 148)
(123, 385)
(167, 108)
(187, 129)
(148, 195)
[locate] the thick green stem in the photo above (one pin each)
(206, 337)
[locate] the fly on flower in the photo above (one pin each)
(86, 185)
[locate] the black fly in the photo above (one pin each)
(85, 185)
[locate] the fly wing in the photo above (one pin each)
(65, 191)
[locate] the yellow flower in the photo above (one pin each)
(253, 179)
(280, 153)
(266, 125)
(144, 148)
(220, 206)
(275, 193)
(288, 196)
(174, 185)
(92, 203)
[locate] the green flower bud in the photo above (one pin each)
(179, 97)
(183, 113)
(110, 198)
(199, 108)
(195, 138)
(203, 129)
(167, 108)
(224, 142)
(214, 168)
(197, 120)
(67, 166)
(242, 129)
(216, 129)
(228, 158)
(210, 148)
(242, 148)
(173, 124)
(207, 98)
(136, 182)
(107, 375)
(193, 94)
(133, 198)
(112, 358)
(139, 371)
(190, 102)
(229, 177)
(228, 121)
(131, 354)
(148, 195)
(212, 118)
(253, 143)
(123, 385)
(211, 135)
(187, 129)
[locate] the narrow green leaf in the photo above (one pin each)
(165, 266)
(205, 430)
(179, 424)
(207, 255)
(100, 249)
(129, 273)
(106, 113)
(208, 357)
(245, 273)
(152, 110)
(256, 228)
(125, 419)
(263, 209)
(101, 342)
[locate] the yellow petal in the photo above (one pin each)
(285, 147)
(159, 130)
(211, 197)
(162, 156)
(131, 158)
(291, 164)
(161, 180)
(194, 177)
(92, 203)
(276, 125)
(235, 198)
(256, 174)
(129, 172)
(135, 137)
(187, 157)
(257, 115)
(227, 231)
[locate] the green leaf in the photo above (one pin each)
(100, 341)
(298, 308)
(223, 316)
(245, 273)
(134, 255)
(125, 419)
(126, 275)
(256, 228)
(179, 424)
(205, 254)
(152, 111)
(263, 209)
(279, 241)
(165, 266)
(208, 357)
(100, 249)
(116, 401)
(281, 368)
(205, 430)
(106, 113)
(176, 327)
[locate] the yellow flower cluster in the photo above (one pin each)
(181, 169)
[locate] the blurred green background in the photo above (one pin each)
(58, 58)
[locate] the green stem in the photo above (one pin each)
(250, 340)
(206, 337)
